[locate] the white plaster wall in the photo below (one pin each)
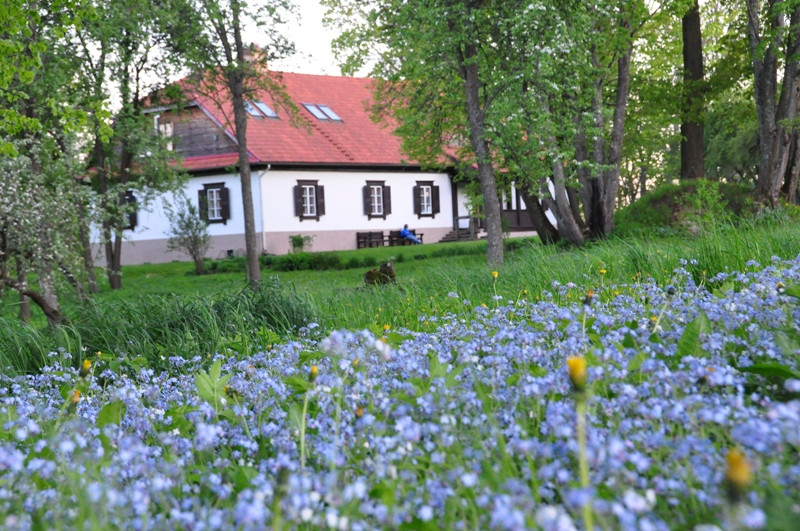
(154, 225)
(344, 204)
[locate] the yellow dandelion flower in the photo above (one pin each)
(495, 274)
(602, 271)
(312, 374)
(85, 368)
(576, 365)
(738, 474)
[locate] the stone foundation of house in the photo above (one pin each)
(155, 251)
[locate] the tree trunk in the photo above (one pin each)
(83, 234)
(47, 288)
(235, 80)
(610, 184)
(568, 227)
(693, 96)
(53, 314)
(22, 281)
(789, 188)
(774, 120)
(468, 67)
(251, 241)
(198, 266)
(544, 229)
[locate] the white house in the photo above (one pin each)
(341, 175)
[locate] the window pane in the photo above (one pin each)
(329, 112)
(313, 109)
(252, 110)
(214, 196)
(376, 200)
(309, 200)
(426, 200)
(266, 109)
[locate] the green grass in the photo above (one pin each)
(166, 308)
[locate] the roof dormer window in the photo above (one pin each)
(252, 110)
(329, 112)
(266, 110)
(322, 112)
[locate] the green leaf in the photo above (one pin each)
(384, 491)
(437, 369)
(628, 341)
(205, 387)
(111, 413)
(310, 355)
(725, 287)
(179, 421)
(451, 380)
(788, 342)
(793, 291)
(635, 362)
(691, 341)
(215, 370)
(298, 383)
(771, 369)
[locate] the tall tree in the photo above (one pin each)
(221, 57)
(692, 166)
(773, 29)
(125, 49)
(37, 210)
(435, 63)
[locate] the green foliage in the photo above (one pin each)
(187, 232)
(301, 243)
(676, 207)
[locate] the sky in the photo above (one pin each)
(312, 41)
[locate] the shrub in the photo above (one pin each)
(354, 262)
(324, 261)
(292, 262)
(266, 260)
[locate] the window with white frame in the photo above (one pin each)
(214, 204)
(426, 199)
(377, 199)
(165, 130)
(309, 200)
(214, 201)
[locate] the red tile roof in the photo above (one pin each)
(209, 162)
(355, 140)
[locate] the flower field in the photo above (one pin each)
(687, 417)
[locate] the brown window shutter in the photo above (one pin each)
(298, 201)
(320, 201)
(417, 206)
(202, 204)
(133, 215)
(367, 201)
(435, 199)
(387, 201)
(225, 197)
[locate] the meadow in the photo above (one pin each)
(649, 381)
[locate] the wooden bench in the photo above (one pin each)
(396, 239)
(369, 239)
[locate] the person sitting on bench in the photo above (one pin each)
(408, 235)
